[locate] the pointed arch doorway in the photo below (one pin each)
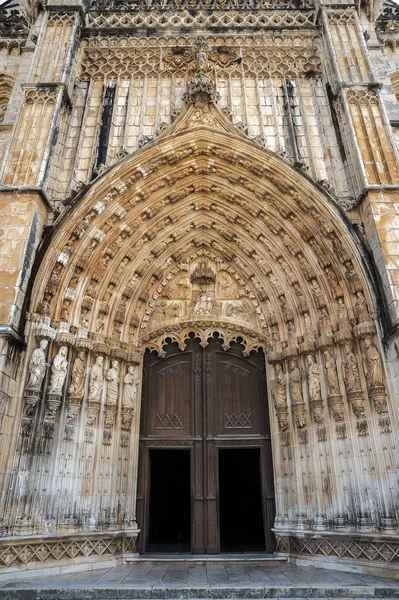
(205, 482)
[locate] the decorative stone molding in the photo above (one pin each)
(369, 549)
(156, 341)
(51, 550)
(186, 19)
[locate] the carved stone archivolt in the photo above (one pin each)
(203, 233)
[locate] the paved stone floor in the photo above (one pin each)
(199, 580)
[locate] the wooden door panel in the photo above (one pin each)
(237, 402)
(170, 398)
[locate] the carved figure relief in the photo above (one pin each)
(227, 289)
(201, 290)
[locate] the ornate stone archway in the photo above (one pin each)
(204, 231)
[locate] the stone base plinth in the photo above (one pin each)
(61, 553)
(370, 554)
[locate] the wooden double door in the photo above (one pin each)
(205, 463)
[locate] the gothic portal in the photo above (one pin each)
(199, 280)
(211, 402)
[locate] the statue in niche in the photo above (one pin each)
(100, 325)
(313, 378)
(325, 325)
(361, 307)
(331, 372)
(84, 318)
(318, 294)
(37, 366)
(275, 333)
(112, 377)
(58, 371)
(333, 281)
(374, 370)
(76, 389)
(130, 385)
(280, 396)
(291, 334)
(352, 379)
(122, 266)
(91, 290)
(295, 383)
(96, 380)
(343, 316)
(308, 324)
(287, 270)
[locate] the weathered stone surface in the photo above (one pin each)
(228, 172)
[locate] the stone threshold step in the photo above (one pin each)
(193, 593)
(205, 558)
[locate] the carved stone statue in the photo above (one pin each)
(130, 385)
(113, 384)
(37, 366)
(96, 380)
(76, 389)
(342, 313)
(291, 334)
(361, 307)
(374, 370)
(295, 384)
(58, 371)
(325, 325)
(280, 387)
(308, 324)
(313, 378)
(331, 372)
(352, 379)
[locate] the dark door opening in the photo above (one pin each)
(170, 514)
(240, 501)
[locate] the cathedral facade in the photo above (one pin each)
(199, 312)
